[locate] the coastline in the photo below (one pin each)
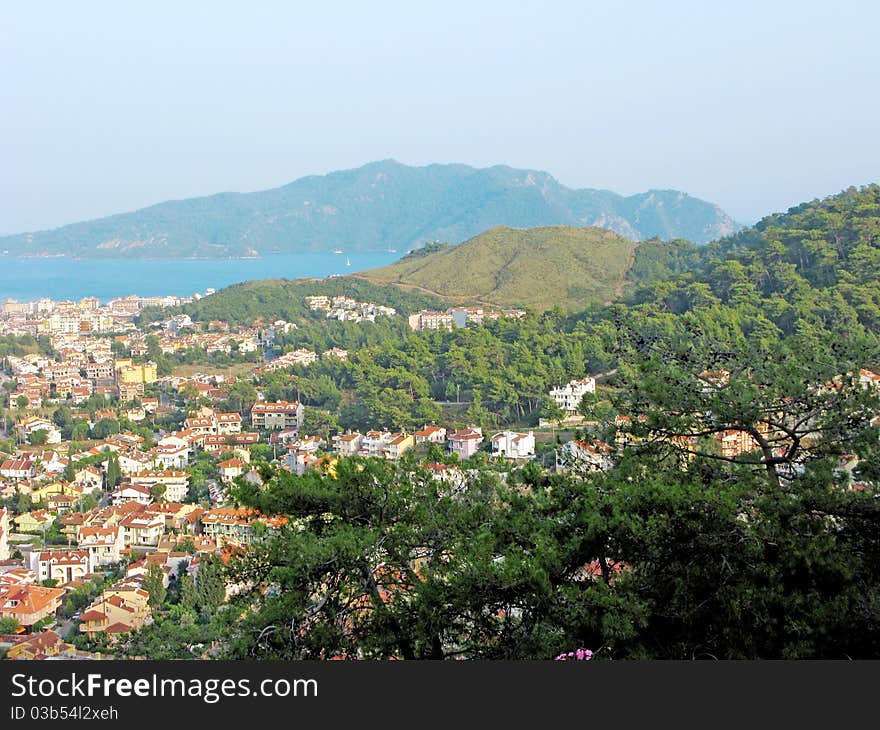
(71, 257)
(28, 278)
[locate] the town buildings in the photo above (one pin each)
(277, 415)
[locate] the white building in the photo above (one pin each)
(171, 457)
(514, 445)
(568, 397)
(278, 415)
(176, 483)
(103, 543)
(431, 435)
(144, 528)
(348, 444)
(131, 493)
(465, 442)
(60, 565)
(375, 443)
(4, 534)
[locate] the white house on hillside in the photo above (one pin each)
(568, 397)
(514, 445)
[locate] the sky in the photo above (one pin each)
(756, 106)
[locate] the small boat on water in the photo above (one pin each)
(392, 250)
(347, 261)
(338, 250)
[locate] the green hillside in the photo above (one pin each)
(813, 268)
(538, 268)
(272, 299)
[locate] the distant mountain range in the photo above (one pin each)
(382, 205)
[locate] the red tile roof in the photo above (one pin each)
(118, 628)
(92, 615)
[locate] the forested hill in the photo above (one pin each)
(268, 300)
(815, 267)
(378, 206)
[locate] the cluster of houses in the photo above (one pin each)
(180, 333)
(300, 356)
(74, 375)
(346, 309)
(464, 443)
(459, 317)
(208, 386)
(134, 532)
(150, 512)
(87, 316)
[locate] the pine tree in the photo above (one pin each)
(211, 584)
(154, 584)
(188, 596)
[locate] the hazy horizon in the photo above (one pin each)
(116, 108)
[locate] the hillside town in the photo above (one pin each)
(110, 471)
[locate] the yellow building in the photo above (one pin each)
(47, 490)
(135, 374)
(119, 609)
(40, 644)
(35, 521)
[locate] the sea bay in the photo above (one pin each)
(59, 278)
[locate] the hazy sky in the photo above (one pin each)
(107, 107)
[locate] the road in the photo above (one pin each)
(65, 628)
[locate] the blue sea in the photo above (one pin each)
(28, 279)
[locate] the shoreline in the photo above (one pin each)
(30, 278)
(132, 259)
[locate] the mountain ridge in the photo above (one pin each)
(380, 205)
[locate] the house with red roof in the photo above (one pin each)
(103, 543)
(28, 603)
(60, 565)
(231, 468)
(466, 442)
(118, 610)
(131, 493)
(277, 415)
(430, 435)
(41, 645)
(176, 483)
(584, 455)
(142, 529)
(348, 444)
